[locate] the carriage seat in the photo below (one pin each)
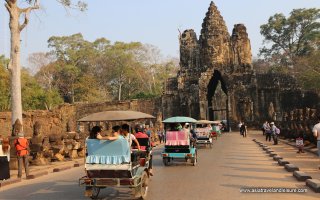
(108, 152)
(177, 138)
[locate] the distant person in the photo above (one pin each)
(265, 128)
(239, 126)
(148, 131)
(243, 130)
(267, 131)
(299, 143)
(275, 133)
(4, 158)
(316, 133)
(159, 133)
(21, 145)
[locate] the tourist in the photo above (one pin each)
(21, 145)
(148, 131)
(140, 134)
(275, 132)
(243, 130)
(94, 132)
(129, 137)
(4, 158)
(239, 126)
(159, 133)
(265, 128)
(299, 142)
(115, 134)
(316, 133)
(268, 131)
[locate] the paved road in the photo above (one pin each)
(233, 163)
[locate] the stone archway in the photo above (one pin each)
(213, 95)
(217, 97)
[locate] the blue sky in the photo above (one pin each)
(148, 21)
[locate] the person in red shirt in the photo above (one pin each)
(22, 147)
(140, 134)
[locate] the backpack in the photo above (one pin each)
(277, 131)
(21, 145)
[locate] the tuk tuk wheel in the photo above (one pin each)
(166, 161)
(210, 145)
(95, 192)
(144, 185)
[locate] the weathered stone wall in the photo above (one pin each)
(63, 119)
(55, 121)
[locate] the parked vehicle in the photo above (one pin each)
(204, 132)
(112, 163)
(179, 142)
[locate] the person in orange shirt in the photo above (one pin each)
(22, 147)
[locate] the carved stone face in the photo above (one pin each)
(37, 129)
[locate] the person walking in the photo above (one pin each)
(239, 126)
(22, 147)
(4, 158)
(299, 142)
(268, 131)
(243, 130)
(274, 132)
(316, 133)
(265, 127)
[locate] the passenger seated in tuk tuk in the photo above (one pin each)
(115, 134)
(144, 144)
(129, 136)
(94, 132)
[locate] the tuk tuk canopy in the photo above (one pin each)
(179, 119)
(117, 115)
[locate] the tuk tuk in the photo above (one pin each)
(216, 128)
(204, 132)
(114, 163)
(179, 142)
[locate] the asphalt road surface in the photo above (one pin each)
(232, 164)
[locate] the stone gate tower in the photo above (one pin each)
(216, 79)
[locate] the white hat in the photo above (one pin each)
(187, 123)
(272, 123)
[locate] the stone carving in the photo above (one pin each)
(39, 146)
(216, 58)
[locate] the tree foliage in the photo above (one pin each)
(289, 38)
(114, 71)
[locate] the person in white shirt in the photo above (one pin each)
(129, 136)
(316, 133)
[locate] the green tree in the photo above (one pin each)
(4, 84)
(289, 38)
(307, 70)
(16, 27)
(35, 96)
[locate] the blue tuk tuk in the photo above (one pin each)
(114, 163)
(179, 142)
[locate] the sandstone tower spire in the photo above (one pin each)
(214, 40)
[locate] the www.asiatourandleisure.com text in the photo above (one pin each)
(273, 190)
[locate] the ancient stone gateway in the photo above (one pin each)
(216, 79)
